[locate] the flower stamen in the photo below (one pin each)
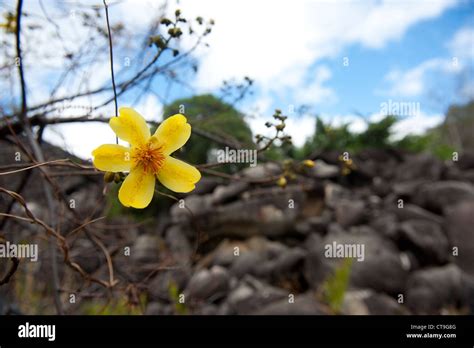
(149, 157)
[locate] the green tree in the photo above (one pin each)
(211, 115)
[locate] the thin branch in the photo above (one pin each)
(111, 61)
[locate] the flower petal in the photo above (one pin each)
(137, 189)
(173, 133)
(178, 176)
(112, 158)
(130, 126)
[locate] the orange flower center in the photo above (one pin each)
(149, 156)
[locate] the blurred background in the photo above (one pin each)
(362, 113)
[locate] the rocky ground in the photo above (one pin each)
(259, 249)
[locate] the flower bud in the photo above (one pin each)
(117, 178)
(165, 21)
(109, 177)
(175, 32)
(282, 181)
(158, 41)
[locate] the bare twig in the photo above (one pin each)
(111, 61)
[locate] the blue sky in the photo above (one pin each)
(403, 51)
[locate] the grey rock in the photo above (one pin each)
(160, 286)
(207, 309)
(178, 244)
(304, 304)
(440, 195)
(322, 170)
(349, 213)
(426, 240)
(381, 269)
(368, 302)
(284, 267)
(468, 281)
(207, 185)
(146, 249)
(429, 290)
(459, 227)
(85, 253)
(247, 263)
(266, 213)
(411, 211)
(228, 192)
(315, 267)
(386, 224)
(252, 294)
(333, 194)
(261, 171)
(466, 160)
(208, 285)
(157, 308)
(382, 304)
(314, 224)
(407, 188)
(354, 303)
(418, 166)
(380, 186)
(198, 205)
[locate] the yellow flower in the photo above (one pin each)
(147, 158)
(308, 163)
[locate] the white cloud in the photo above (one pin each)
(276, 42)
(416, 124)
(412, 82)
(462, 44)
(315, 92)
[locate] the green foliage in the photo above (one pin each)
(173, 291)
(327, 137)
(334, 288)
(211, 115)
(430, 141)
(379, 135)
(113, 307)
